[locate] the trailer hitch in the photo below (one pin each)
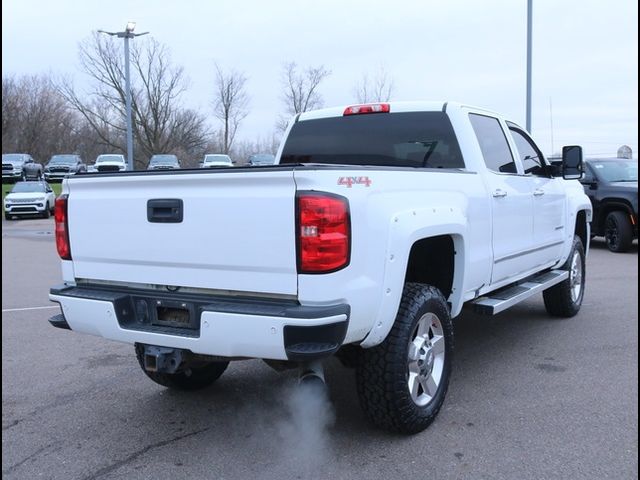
(162, 359)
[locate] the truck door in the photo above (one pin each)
(549, 203)
(511, 203)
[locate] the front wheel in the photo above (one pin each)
(618, 232)
(47, 211)
(565, 298)
(195, 378)
(403, 381)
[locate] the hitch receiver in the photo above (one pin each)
(162, 359)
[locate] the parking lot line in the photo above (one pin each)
(27, 308)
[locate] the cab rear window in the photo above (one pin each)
(411, 139)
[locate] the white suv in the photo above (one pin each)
(109, 163)
(29, 198)
(216, 160)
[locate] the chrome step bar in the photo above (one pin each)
(500, 300)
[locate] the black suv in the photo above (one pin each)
(612, 186)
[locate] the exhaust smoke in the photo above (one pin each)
(305, 431)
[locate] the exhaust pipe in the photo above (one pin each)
(311, 373)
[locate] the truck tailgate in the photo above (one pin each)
(237, 232)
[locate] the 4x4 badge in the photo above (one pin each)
(349, 181)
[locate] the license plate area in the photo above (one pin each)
(172, 316)
(171, 313)
(160, 314)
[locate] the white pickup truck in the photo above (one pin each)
(377, 224)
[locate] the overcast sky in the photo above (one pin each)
(585, 68)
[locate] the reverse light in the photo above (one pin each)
(62, 228)
(367, 108)
(324, 231)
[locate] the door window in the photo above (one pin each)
(530, 156)
(493, 144)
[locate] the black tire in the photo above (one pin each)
(618, 232)
(383, 376)
(47, 211)
(7, 216)
(562, 300)
(197, 378)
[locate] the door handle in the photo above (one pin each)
(499, 193)
(538, 191)
(165, 210)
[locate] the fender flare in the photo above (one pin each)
(405, 229)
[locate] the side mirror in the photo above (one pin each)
(572, 162)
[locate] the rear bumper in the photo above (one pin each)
(220, 326)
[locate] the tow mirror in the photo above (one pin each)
(572, 162)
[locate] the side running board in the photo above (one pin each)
(496, 302)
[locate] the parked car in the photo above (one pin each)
(262, 159)
(109, 163)
(163, 162)
(612, 186)
(60, 166)
(216, 160)
(13, 166)
(29, 198)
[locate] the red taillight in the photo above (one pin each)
(367, 108)
(323, 232)
(62, 231)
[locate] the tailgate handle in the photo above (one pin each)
(164, 210)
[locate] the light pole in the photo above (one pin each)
(529, 33)
(127, 34)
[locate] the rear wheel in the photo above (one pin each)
(191, 379)
(565, 298)
(618, 232)
(403, 381)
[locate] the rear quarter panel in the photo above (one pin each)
(399, 207)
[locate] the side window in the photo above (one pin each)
(493, 143)
(529, 155)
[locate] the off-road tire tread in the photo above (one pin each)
(557, 299)
(381, 371)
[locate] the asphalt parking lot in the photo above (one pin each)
(530, 397)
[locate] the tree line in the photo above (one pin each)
(45, 115)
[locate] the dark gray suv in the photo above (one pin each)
(61, 166)
(612, 187)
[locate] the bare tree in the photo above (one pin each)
(35, 118)
(243, 149)
(377, 89)
(160, 123)
(301, 89)
(230, 104)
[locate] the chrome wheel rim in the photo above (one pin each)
(575, 277)
(425, 359)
